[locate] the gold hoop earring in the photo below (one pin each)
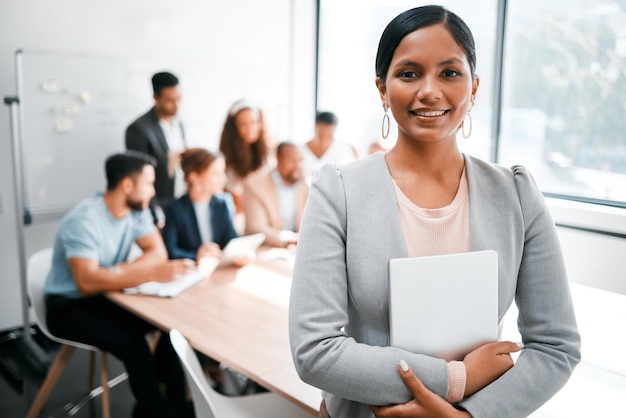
(386, 124)
(467, 134)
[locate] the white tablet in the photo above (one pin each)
(240, 246)
(446, 305)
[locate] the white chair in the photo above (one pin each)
(210, 404)
(38, 267)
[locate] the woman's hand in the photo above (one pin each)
(208, 250)
(208, 257)
(425, 404)
(244, 260)
(487, 363)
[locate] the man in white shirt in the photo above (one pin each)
(324, 148)
(159, 133)
(273, 200)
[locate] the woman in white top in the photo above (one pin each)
(324, 148)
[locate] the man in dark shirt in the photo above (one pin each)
(160, 134)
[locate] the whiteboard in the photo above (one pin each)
(74, 110)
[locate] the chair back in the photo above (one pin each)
(39, 265)
(200, 389)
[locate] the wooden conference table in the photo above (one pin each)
(238, 317)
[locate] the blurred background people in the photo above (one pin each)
(324, 148)
(245, 145)
(274, 199)
(199, 223)
(378, 145)
(160, 133)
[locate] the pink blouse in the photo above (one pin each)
(438, 231)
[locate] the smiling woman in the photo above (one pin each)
(368, 18)
(429, 85)
(424, 197)
(430, 76)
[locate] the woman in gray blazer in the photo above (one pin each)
(361, 215)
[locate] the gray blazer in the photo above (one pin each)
(339, 310)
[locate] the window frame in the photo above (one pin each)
(601, 216)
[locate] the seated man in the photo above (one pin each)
(91, 248)
(273, 200)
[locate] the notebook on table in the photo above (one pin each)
(167, 289)
(446, 305)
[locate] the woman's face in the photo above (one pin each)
(429, 86)
(213, 179)
(248, 124)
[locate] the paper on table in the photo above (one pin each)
(167, 289)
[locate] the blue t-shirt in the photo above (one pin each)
(90, 231)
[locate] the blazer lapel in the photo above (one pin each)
(484, 211)
(273, 201)
(213, 217)
(302, 193)
(495, 224)
(182, 133)
(388, 204)
(158, 133)
(193, 233)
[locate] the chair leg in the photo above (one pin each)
(90, 370)
(154, 340)
(104, 382)
(48, 384)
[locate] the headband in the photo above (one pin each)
(240, 105)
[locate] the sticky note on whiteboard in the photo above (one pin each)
(49, 85)
(62, 124)
(85, 97)
(71, 107)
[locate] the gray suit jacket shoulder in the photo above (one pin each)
(339, 310)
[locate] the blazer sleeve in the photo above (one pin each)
(222, 221)
(257, 218)
(171, 233)
(546, 318)
(324, 354)
(136, 139)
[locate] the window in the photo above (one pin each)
(563, 111)
(349, 34)
(564, 96)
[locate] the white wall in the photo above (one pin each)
(592, 259)
(221, 51)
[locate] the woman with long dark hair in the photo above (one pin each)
(245, 145)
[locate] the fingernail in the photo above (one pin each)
(403, 365)
(520, 345)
